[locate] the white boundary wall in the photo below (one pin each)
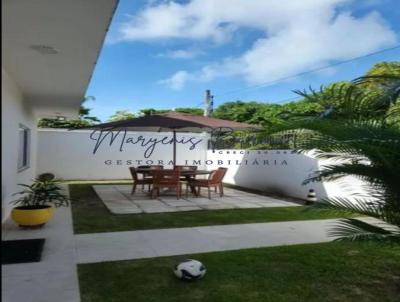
(279, 171)
(69, 154)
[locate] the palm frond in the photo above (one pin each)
(359, 133)
(355, 230)
(356, 206)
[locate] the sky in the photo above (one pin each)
(165, 54)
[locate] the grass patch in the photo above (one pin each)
(90, 215)
(336, 271)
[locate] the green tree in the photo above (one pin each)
(84, 112)
(378, 73)
(372, 95)
(238, 111)
(151, 111)
(194, 111)
(265, 113)
(365, 145)
(121, 115)
(84, 120)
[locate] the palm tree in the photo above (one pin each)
(360, 133)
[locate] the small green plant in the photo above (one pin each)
(42, 192)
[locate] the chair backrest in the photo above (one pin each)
(151, 167)
(218, 175)
(166, 176)
(156, 167)
(185, 168)
(133, 173)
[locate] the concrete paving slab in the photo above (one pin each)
(137, 195)
(59, 283)
(148, 203)
(54, 278)
(117, 198)
(111, 195)
(178, 203)
(229, 199)
(112, 246)
(121, 202)
(167, 242)
(158, 209)
(202, 200)
(173, 241)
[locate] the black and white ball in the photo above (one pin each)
(190, 270)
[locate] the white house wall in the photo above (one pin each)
(14, 112)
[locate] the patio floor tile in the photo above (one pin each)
(138, 193)
(202, 201)
(158, 209)
(178, 203)
(111, 195)
(119, 200)
(148, 202)
(116, 203)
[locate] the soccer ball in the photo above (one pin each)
(190, 270)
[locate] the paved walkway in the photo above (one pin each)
(54, 278)
(118, 200)
(167, 242)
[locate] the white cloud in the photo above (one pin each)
(180, 54)
(168, 20)
(176, 81)
(296, 35)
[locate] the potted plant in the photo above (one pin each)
(35, 206)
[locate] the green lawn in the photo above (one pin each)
(335, 271)
(91, 216)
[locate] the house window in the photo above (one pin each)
(24, 137)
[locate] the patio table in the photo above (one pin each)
(188, 174)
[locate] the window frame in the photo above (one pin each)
(25, 148)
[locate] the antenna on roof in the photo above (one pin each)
(208, 103)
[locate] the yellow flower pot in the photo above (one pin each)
(27, 216)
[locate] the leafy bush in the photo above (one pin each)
(42, 192)
(362, 137)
